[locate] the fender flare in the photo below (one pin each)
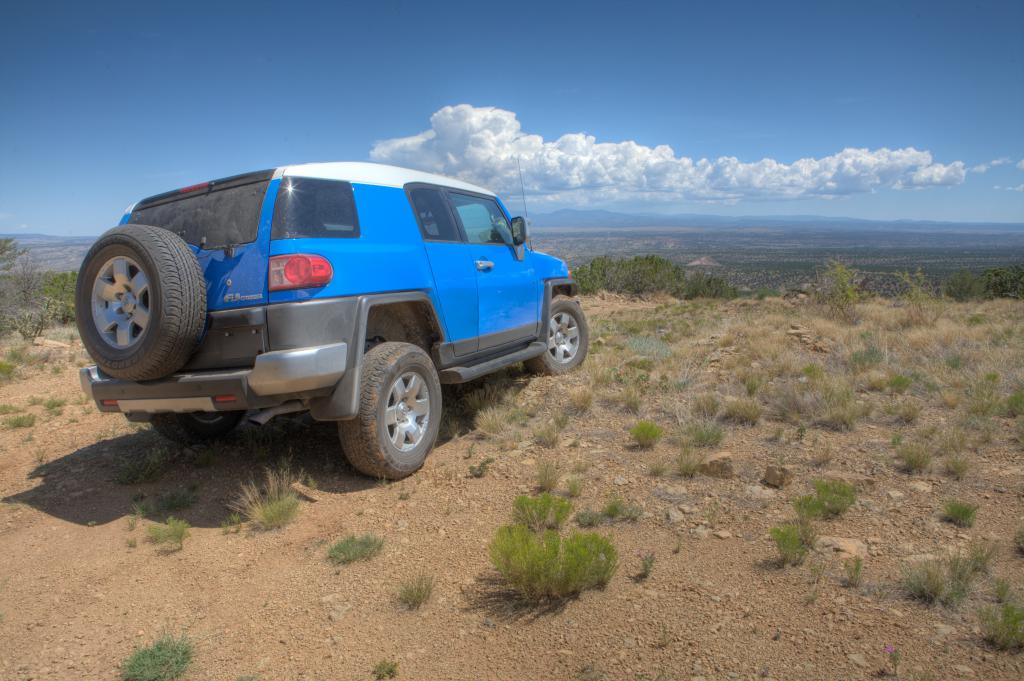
(343, 402)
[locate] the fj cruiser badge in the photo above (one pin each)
(236, 297)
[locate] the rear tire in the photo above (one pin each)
(567, 337)
(193, 427)
(399, 412)
(140, 302)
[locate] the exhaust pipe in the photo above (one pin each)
(262, 416)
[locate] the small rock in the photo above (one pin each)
(777, 476)
(718, 465)
(759, 492)
(858, 660)
(722, 534)
(674, 515)
(920, 486)
(700, 532)
(895, 495)
(860, 482)
(620, 481)
(963, 670)
(844, 546)
(688, 510)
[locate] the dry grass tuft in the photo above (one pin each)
(271, 505)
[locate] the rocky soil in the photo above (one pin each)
(81, 588)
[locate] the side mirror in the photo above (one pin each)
(519, 232)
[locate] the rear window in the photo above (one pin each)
(313, 208)
(209, 218)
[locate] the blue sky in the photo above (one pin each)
(630, 107)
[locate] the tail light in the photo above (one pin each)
(299, 271)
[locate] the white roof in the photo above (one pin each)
(375, 173)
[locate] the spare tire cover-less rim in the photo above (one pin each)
(121, 302)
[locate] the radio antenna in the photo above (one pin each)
(522, 189)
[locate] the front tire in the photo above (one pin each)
(399, 412)
(568, 339)
(190, 428)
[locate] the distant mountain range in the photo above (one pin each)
(604, 219)
(55, 253)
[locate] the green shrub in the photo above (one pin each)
(573, 486)
(831, 498)
(172, 534)
(745, 411)
(385, 669)
(1003, 626)
(646, 434)
(1015, 404)
(589, 518)
(176, 500)
(145, 466)
(59, 289)
(167, 659)
(926, 581)
(1004, 282)
(898, 383)
(544, 566)
(959, 513)
(956, 466)
(1018, 539)
(617, 509)
(854, 569)
(837, 290)
(948, 580)
(479, 470)
(861, 360)
(789, 543)
(6, 370)
(983, 396)
(353, 548)
(414, 592)
(548, 476)
(963, 286)
(687, 464)
(20, 421)
(703, 433)
(913, 457)
(705, 407)
(648, 274)
(545, 512)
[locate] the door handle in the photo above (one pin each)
(484, 265)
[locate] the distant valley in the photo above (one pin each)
(755, 252)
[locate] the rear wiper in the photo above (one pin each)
(229, 249)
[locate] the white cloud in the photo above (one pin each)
(1020, 164)
(982, 168)
(1018, 188)
(480, 144)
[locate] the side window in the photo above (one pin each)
(432, 213)
(482, 219)
(312, 208)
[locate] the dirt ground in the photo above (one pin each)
(80, 588)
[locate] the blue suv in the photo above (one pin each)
(348, 290)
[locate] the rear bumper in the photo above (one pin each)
(275, 377)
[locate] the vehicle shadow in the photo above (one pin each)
(113, 478)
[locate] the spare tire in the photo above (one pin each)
(140, 302)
